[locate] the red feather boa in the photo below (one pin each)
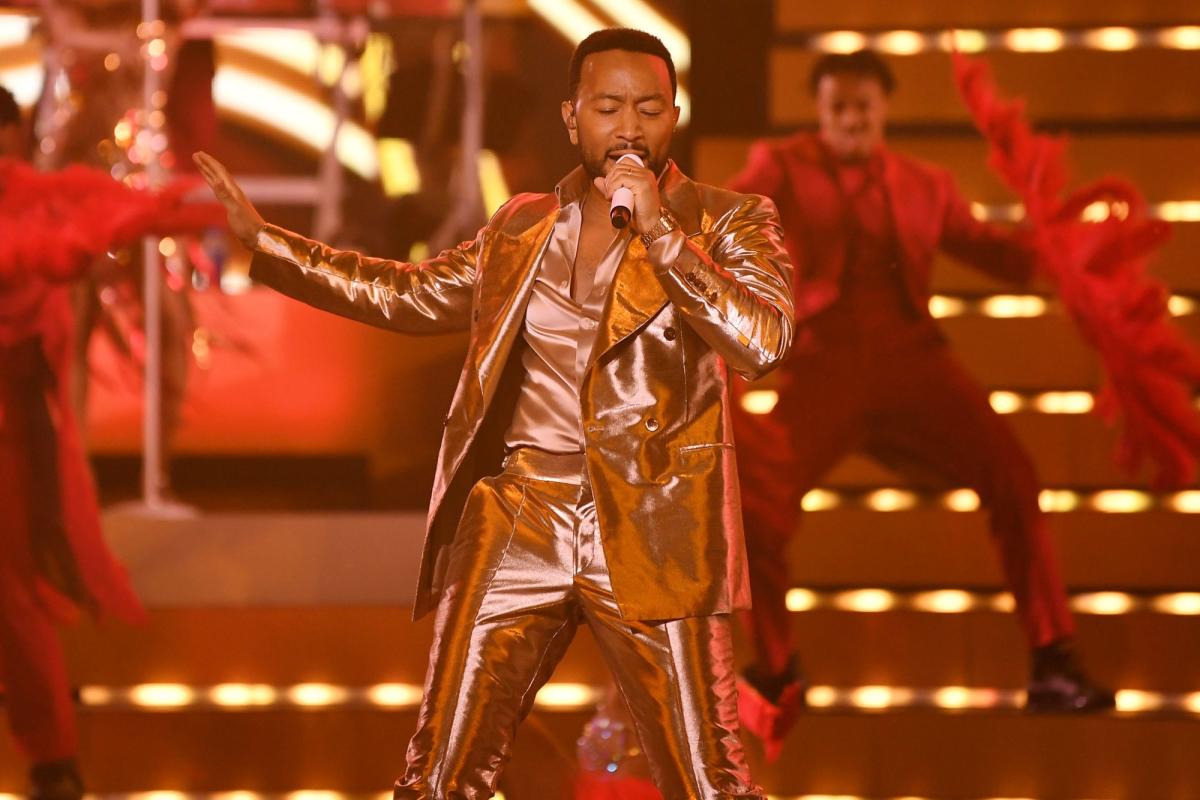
(1099, 272)
(54, 223)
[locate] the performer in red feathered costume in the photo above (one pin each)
(53, 560)
(870, 371)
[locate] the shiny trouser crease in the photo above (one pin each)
(526, 568)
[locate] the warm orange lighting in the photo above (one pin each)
(566, 695)
(873, 697)
(821, 696)
(952, 697)
(1014, 306)
(865, 601)
(1065, 402)
(1034, 40)
(942, 307)
(1058, 500)
(1121, 501)
(759, 401)
(962, 500)
(901, 43)
(1182, 603)
(1004, 402)
(891, 500)
(1184, 37)
(395, 695)
(1180, 306)
(161, 695)
(944, 601)
(235, 695)
(798, 600)
(1103, 603)
(315, 695)
(1134, 701)
(840, 42)
(1112, 38)
(820, 500)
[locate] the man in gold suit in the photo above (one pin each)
(587, 469)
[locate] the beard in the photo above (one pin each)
(596, 164)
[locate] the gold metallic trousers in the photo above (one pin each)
(526, 568)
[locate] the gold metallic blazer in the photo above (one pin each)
(657, 427)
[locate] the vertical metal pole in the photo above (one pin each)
(152, 445)
(328, 215)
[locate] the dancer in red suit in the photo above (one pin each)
(53, 562)
(871, 372)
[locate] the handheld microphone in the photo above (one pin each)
(620, 211)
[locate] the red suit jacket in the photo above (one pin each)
(927, 211)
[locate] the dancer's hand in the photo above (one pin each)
(244, 219)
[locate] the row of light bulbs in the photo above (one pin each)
(1019, 40)
(962, 601)
(324, 794)
(1051, 501)
(576, 697)
(762, 401)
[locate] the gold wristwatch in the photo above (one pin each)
(666, 223)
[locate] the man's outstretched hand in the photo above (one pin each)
(244, 219)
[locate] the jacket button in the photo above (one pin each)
(712, 297)
(652, 424)
(475, 315)
(669, 334)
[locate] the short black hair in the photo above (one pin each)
(864, 63)
(10, 112)
(629, 39)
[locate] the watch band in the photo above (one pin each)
(666, 223)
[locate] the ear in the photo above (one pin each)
(568, 117)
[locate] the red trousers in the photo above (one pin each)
(53, 559)
(900, 396)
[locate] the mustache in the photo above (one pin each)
(644, 152)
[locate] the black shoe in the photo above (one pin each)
(1060, 685)
(55, 780)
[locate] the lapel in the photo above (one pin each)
(507, 274)
(637, 294)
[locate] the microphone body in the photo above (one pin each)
(620, 210)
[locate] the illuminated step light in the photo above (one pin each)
(904, 43)
(1103, 603)
(316, 695)
(1055, 501)
(963, 601)
(891, 500)
(1013, 306)
(394, 695)
(1034, 40)
(799, 600)
(820, 500)
(1181, 603)
(1115, 38)
(961, 500)
(1132, 701)
(1005, 402)
(161, 695)
(1121, 501)
(1184, 37)
(1064, 402)
(241, 695)
(567, 695)
(760, 401)
(963, 698)
(1177, 211)
(865, 601)
(840, 42)
(1020, 40)
(943, 307)
(945, 601)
